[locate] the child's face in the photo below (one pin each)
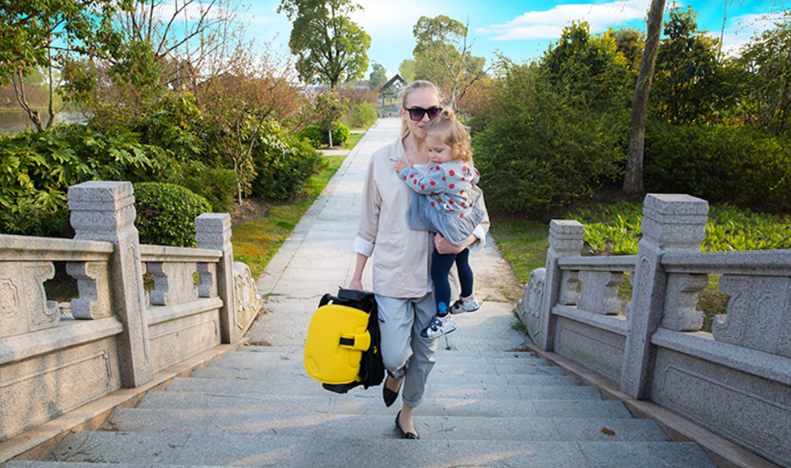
(438, 151)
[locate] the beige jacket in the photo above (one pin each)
(401, 257)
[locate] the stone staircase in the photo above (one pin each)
(257, 407)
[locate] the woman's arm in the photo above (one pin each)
(357, 278)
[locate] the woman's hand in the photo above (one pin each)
(444, 247)
(356, 285)
(400, 164)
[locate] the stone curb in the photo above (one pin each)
(722, 452)
(39, 441)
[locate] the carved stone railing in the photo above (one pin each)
(116, 335)
(735, 381)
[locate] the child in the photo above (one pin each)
(442, 203)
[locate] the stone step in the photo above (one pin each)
(472, 365)
(294, 351)
(354, 406)
(546, 375)
(54, 464)
(484, 374)
(323, 424)
(433, 390)
(265, 450)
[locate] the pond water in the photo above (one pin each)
(13, 122)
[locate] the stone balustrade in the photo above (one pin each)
(117, 334)
(735, 381)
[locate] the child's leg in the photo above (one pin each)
(466, 278)
(440, 269)
(467, 302)
(442, 323)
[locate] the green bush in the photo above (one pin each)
(314, 134)
(166, 213)
(362, 115)
(340, 133)
(216, 184)
(735, 164)
(283, 163)
(36, 170)
(317, 136)
(537, 152)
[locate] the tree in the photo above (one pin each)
(633, 179)
(630, 43)
(329, 46)
(688, 84)
(236, 104)
(587, 70)
(407, 70)
(378, 76)
(48, 35)
(767, 60)
(443, 56)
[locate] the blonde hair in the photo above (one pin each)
(453, 133)
(415, 85)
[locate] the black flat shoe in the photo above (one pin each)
(405, 435)
(388, 395)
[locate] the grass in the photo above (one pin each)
(523, 244)
(614, 229)
(349, 144)
(256, 242)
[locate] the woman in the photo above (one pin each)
(401, 270)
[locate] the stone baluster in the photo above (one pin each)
(105, 211)
(213, 231)
(600, 292)
(565, 240)
(671, 223)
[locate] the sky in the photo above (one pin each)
(521, 30)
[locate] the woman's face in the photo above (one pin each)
(424, 98)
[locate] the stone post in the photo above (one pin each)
(213, 231)
(105, 211)
(671, 224)
(565, 240)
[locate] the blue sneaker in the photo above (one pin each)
(439, 326)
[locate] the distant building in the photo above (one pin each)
(390, 96)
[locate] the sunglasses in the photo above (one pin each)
(417, 113)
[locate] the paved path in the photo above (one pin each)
(318, 258)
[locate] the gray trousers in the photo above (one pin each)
(405, 353)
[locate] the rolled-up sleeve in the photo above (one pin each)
(369, 215)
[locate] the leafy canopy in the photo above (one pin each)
(329, 46)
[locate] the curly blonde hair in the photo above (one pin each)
(453, 133)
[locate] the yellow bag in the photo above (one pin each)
(342, 346)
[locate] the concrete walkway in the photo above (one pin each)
(317, 258)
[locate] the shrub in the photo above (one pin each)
(166, 213)
(216, 184)
(719, 164)
(314, 134)
(283, 163)
(536, 152)
(317, 136)
(340, 133)
(360, 116)
(36, 170)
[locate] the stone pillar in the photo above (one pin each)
(565, 240)
(671, 224)
(105, 211)
(213, 231)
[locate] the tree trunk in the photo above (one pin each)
(633, 181)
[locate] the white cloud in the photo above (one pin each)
(743, 28)
(549, 24)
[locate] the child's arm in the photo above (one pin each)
(430, 184)
(475, 176)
